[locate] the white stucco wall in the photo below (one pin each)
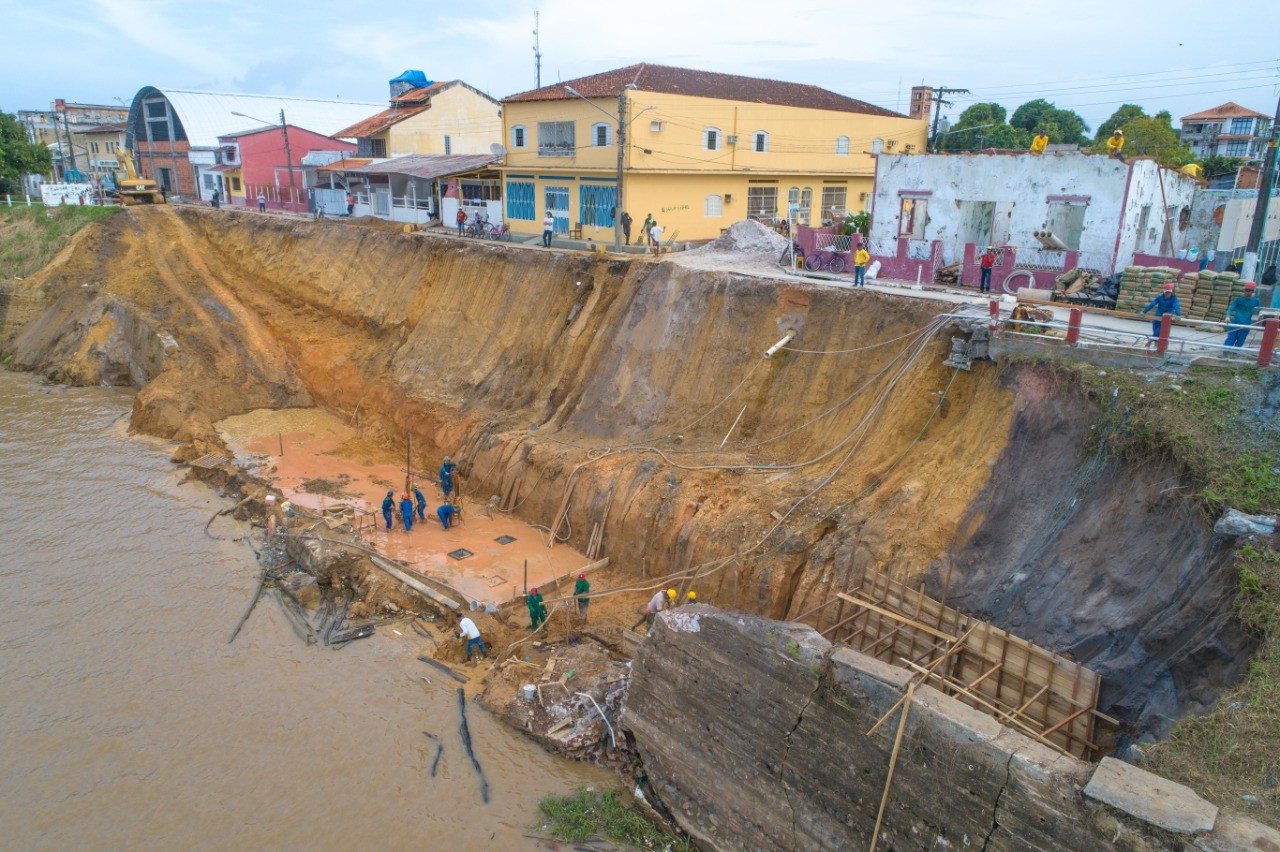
(1024, 185)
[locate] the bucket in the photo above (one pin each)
(530, 691)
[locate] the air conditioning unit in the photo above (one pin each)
(910, 149)
(732, 140)
(890, 143)
(655, 127)
(727, 198)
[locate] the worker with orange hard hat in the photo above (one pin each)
(1241, 313)
(1165, 303)
(406, 511)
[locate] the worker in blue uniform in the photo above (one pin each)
(422, 503)
(388, 506)
(447, 471)
(1165, 303)
(406, 511)
(1241, 313)
(445, 514)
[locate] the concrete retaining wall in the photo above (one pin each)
(753, 735)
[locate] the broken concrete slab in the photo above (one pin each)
(1150, 798)
(1237, 833)
(1235, 522)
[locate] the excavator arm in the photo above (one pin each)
(127, 160)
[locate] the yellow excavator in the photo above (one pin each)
(133, 189)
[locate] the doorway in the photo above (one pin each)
(558, 204)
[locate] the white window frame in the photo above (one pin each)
(713, 206)
(832, 208)
(842, 146)
(557, 148)
(712, 139)
(519, 136)
(877, 145)
(760, 142)
(756, 195)
(448, 145)
(595, 135)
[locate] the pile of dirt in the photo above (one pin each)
(747, 239)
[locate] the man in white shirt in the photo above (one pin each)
(548, 228)
(467, 630)
(655, 237)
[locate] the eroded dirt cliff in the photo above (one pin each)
(583, 390)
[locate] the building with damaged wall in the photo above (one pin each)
(938, 209)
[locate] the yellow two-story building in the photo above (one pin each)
(701, 151)
(445, 117)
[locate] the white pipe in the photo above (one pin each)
(734, 426)
(768, 353)
(602, 716)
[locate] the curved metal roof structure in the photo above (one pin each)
(199, 118)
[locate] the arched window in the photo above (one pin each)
(760, 142)
(711, 139)
(877, 146)
(806, 203)
(600, 136)
(518, 136)
(842, 146)
(713, 207)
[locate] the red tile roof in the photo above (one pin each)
(377, 123)
(1230, 109)
(350, 164)
(666, 79)
(414, 96)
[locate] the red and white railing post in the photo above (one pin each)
(1267, 348)
(1073, 326)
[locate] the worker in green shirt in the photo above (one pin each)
(581, 588)
(537, 612)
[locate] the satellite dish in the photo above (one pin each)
(497, 150)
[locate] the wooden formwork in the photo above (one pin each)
(1029, 688)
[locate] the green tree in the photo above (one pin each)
(1152, 137)
(1219, 165)
(1060, 125)
(1126, 113)
(18, 156)
(983, 126)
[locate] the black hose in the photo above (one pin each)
(344, 638)
(466, 741)
(439, 751)
(262, 580)
(336, 621)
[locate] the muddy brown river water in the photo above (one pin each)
(127, 721)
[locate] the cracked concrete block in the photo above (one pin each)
(866, 665)
(957, 720)
(1150, 798)
(1237, 833)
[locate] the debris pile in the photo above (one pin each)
(747, 237)
(947, 274)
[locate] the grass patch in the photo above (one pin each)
(588, 813)
(1203, 420)
(1234, 750)
(29, 239)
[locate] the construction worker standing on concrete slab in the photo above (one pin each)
(581, 588)
(1241, 313)
(447, 472)
(537, 612)
(406, 511)
(421, 500)
(660, 601)
(388, 506)
(1165, 303)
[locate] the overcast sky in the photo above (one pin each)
(1086, 55)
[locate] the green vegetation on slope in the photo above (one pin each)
(1233, 752)
(588, 813)
(29, 238)
(1203, 419)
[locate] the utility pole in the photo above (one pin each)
(939, 100)
(620, 144)
(1250, 270)
(288, 158)
(71, 151)
(537, 55)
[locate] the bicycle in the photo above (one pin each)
(501, 232)
(786, 258)
(481, 229)
(834, 262)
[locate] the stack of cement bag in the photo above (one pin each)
(1212, 294)
(1140, 284)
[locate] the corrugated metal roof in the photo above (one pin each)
(415, 95)
(379, 122)
(647, 77)
(206, 115)
(428, 166)
(350, 164)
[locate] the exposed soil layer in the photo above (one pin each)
(577, 390)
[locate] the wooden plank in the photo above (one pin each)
(896, 617)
